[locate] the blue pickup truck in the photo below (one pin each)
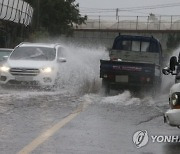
(134, 63)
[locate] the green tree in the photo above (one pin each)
(57, 16)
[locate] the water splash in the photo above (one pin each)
(81, 72)
(121, 99)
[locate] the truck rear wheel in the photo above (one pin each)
(105, 86)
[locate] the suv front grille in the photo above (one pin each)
(24, 71)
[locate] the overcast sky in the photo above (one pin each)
(112, 4)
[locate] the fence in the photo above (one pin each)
(16, 11)
(151, 22)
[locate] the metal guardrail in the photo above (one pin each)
(151, 22)
(16, 11)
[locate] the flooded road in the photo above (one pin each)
(77, 118)
(104, 125)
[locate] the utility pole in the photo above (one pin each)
(117, 13)
(38, 14)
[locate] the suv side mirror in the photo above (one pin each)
(173, 63)
(5, 58)
(62, 60)
(166, 71)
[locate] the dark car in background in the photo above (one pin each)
(4, 53)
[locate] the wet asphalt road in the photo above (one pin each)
(100, 125)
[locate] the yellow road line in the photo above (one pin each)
(48, 133)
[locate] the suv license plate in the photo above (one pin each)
(24, 78)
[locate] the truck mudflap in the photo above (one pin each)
(128, 73)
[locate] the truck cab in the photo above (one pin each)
(136, 49)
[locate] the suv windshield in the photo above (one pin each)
(4, 53)
(33, 53)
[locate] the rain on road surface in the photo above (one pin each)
(77, 119)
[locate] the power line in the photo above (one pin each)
(129, 9)
(137, 7)
(153, 6)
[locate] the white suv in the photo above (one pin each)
(33, 64)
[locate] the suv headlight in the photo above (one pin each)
(4, 68)
(175, 100)
(46, 70)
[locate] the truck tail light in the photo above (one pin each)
(142, 79)
(110, 76)
(145, 79)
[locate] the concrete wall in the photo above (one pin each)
(106, 38)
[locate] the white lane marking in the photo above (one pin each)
(50, 132)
